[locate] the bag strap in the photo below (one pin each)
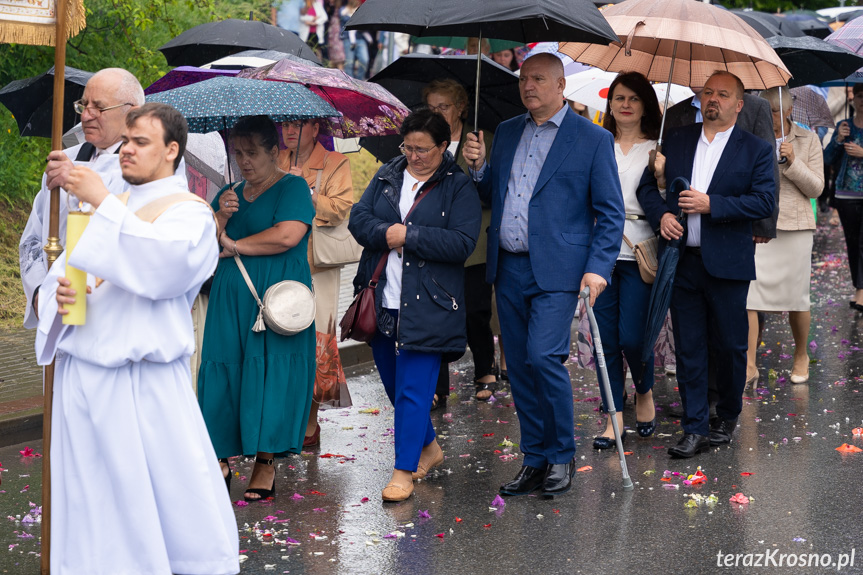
(259, 323)
(380, 267)
(627, 242)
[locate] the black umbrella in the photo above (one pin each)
(663, 285)
(31, 101)
(769, 24)
(214, 40)
(406, 77)
(810, 25)
(254, 58)
(516, 20)
(814, 61)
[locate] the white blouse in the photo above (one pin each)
(630, 168)
(393, 288)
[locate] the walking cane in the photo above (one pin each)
(602, 373)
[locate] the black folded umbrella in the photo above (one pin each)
(213, 40)
(814, 61)
(406, 77)
(31, 101)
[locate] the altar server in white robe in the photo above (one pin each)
(135, 483)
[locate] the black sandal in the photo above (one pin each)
(487, 386)
(438, 402)
(263, 494)
(230, 473)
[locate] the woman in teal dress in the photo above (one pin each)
(255, 389)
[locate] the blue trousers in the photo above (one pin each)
(409, 379)
(708, 313)
(621, 313)
(535, 326)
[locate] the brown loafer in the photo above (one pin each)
(396, 492)
(425, 465)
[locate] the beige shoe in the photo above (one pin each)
(395, 492)
(425, 465)
(799, 378)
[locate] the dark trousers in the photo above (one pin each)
(535, 325)
(477, 306)
(621, 314)
(708, 312)
(409, 379)
(851, 216)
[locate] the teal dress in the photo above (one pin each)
(255, 389)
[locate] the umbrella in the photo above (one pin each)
(407, 76)
(31, 100)
(809, 24)
(591, 89)
(810, 108)
(213, 40)
(814, 61)
(460, 42)
(255, 59)
(515, 20)
(364, 108)
(183, 76)
(663, 285)
(682, 42)
(769, 24)
(216, 104)
(849, 36)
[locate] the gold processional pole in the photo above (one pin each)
(53, 249)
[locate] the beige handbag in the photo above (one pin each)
(645, 255)
(288, 307)
(333, 246)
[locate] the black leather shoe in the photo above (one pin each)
(645, 428)
(528, 480)
(558, 479)
(690, 446)
(721, 430)
(601, 442)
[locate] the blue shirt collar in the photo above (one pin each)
(557, 119)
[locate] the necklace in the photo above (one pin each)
(263, 188)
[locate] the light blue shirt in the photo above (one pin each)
(533, 148)
(696, 103)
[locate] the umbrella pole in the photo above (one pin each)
(476, 91)
(602, 375)
(53, 249)
(658, 149)
(299, 137)
(782, 159)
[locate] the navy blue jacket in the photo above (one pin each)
(441, 233)
(743, 189)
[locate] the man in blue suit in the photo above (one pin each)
(732, 185)
(556, 226)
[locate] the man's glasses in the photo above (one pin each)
(79, 107)
(420, 152)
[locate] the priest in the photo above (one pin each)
(135, 483)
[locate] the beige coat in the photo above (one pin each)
(800, 181)
(336, 193)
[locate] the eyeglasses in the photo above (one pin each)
(79, 107)
(441, 108)
(420, 152)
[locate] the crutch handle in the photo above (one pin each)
(585, 293)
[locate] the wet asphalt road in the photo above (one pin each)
(327, 516)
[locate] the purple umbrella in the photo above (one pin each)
(183, 76)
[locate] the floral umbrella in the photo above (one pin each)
(365, 109)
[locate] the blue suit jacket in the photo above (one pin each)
(575, 218)
(742, 190)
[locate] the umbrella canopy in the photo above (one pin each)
(849, 36)
(663, 285)
(183, 76)
(365, 109)
(814, 61)
(591, 89)
(460, 42)
(255, 59)
(31, 100)
(769, 24)
(700, 38)
(216, 104)
(810, 108)
(809, 24)
(407, 76)
(516, 20)
(213, 40)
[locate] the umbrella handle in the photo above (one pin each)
(651, 163)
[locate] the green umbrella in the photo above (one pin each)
(460, 42)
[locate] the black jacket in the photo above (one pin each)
(441, 233)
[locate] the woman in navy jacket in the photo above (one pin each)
(420, 294)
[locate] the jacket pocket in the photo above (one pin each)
(440, 295)
(576, 239)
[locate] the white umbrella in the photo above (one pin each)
(591, 89)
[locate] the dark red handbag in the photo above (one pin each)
(360, 321)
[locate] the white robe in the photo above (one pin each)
(136, 487)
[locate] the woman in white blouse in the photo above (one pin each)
(633, 116)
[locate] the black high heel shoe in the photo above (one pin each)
(228, 476)
(601, 442)
(262, 494)
(646, 428)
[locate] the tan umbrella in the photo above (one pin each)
(682, 42)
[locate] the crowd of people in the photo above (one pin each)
(469, 233)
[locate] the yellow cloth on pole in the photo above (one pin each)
(34, 22)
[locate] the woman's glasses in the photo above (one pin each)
(410, 150)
